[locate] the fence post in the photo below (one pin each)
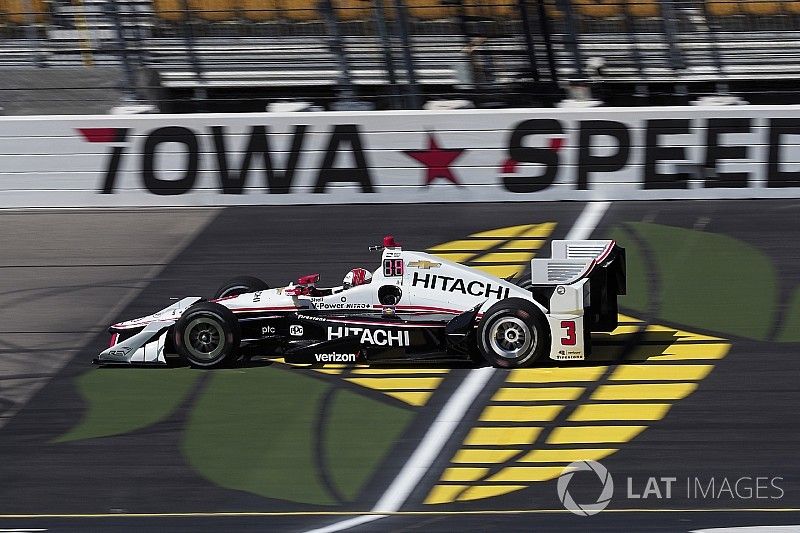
(544, 24)
(128, 88)
(529, 46)
(633, 42)
(671, 34)
(408, 60)
(571, 38)
(32, 35)
(386, 49)
(200, 94)
(711, 29)
(345, 82)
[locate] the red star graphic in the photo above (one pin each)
(438, 161)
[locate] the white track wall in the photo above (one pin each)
(400, 156)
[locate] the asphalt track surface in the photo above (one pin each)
(740, 421)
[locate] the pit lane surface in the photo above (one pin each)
(739, 422)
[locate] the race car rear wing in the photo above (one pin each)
(600, 262)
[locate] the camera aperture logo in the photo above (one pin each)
(585, 509)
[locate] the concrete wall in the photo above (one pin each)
(454, 156)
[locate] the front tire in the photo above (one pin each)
(240, 285)
(207, 335)
(513, 334)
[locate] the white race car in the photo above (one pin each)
(415, 306)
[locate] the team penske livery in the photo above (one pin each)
(413, 307)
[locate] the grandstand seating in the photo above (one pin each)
(169, 10)
(22, 12)
(598, 8)
(275, 43)
(260, 10)
(307, 10)
(761, 8)
(213, 10)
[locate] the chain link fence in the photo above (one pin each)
(340, 54)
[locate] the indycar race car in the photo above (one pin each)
(414, 307)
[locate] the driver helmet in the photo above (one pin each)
(356, 277)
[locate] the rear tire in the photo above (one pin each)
(513, 334)
(207, 335)
(240, 285)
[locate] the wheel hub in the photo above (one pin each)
(204, 338)
(512, 338)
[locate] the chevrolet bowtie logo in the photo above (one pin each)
(424, 264)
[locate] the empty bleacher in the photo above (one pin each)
(285, 43)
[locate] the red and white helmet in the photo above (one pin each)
(356, 277)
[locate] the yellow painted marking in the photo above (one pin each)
(397, 383)
(648, 391)
(519, 394)
(661, 372)
(393, 371)
(622, 330)
(501, 271)
(539, 230)
(411, 397)
(572, 435)
(528, 473)
(509, 232)
(505, 257)
(694, 351)
(567, 456)
(483, 456)
(444, 493)
(684, 336)
(470, 245)
(455, 257)
(615, 411)
(487, 491)
(556, 375)
(501, 436)
(463, 473)
(520, 413)
(658, 327)
(523, 244)
(625, 318)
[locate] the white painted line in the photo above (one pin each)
(426, 452)
(588, 220)
(451, 414)
(435, 439)
(349, 523)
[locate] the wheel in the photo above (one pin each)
(513, 333)
(207, 335)
(240, 285)
(525, 283)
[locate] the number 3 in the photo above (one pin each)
(569, 327)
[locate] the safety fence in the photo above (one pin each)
(399, 53)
